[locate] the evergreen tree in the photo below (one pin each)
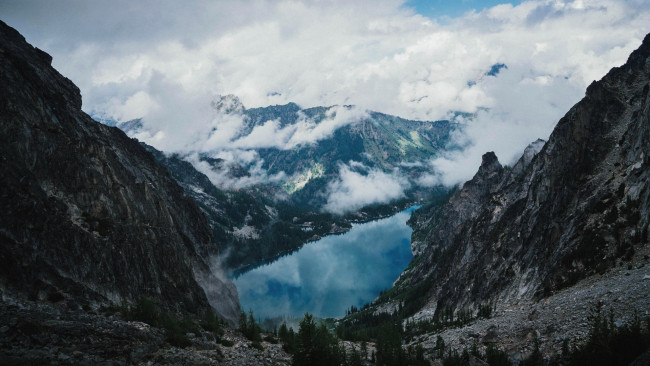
(315, 345)
(243, 324)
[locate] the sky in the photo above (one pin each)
(446, 10)
(166, 61)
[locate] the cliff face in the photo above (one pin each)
(88, 216)
(570, 209)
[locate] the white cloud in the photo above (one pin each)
(221, 176)
(506, 128)
(225, 136)
(303, 132)
(168, 64)
(359, 186)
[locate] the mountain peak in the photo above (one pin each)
(228, 104)
(529, 153)
(489, 164)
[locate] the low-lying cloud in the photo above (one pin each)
(303, 132)
(358, 186)
(222, 176)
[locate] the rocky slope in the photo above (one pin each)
(577, 208)
(566, 316)
(51, 334)
(88, 217)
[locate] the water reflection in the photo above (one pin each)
(328, 276)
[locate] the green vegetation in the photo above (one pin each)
(315, 345)
(608, 344)
(176, 327)
(249, 327)
(287, 338)
(364, 324)
(390, 351)
(493, 356)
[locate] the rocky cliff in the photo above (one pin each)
(88, 217)
(576, 207)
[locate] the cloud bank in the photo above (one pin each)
(358, 186)
(166, 65)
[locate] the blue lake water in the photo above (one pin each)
(327, 276)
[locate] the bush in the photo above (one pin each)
(212, 323)
(270, 339)
(257, 345)
(610, 345)
(249, 327)
(176, 330)
(316, 346)
(146, 311)
(226, 342)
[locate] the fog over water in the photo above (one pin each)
(328, 276)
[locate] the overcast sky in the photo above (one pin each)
(166, 60)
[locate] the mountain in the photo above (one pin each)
(260, 221)
(379, 141)
(88, 217)
(523, 258)
(305, 149)
(574, 208)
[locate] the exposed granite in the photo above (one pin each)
(579, 206)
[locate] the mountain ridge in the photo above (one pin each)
(585, 191)
(317, 140)
(89, 218)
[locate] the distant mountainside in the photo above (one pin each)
(261, 221)
(375, 141)
(250, 227)
(380, 142)
(88, 217)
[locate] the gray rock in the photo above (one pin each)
(87, 213)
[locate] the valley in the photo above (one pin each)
(324, 235)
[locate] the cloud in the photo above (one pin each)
(167, 65)
(358, 186)
(222, 176)
(508, 128)
(303, 132)
(228, 135)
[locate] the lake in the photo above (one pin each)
(327, 276)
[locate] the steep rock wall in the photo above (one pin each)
(87, 214)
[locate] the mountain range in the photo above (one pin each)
(306, 148)
(259, 221)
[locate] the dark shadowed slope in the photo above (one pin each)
(87, 216)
